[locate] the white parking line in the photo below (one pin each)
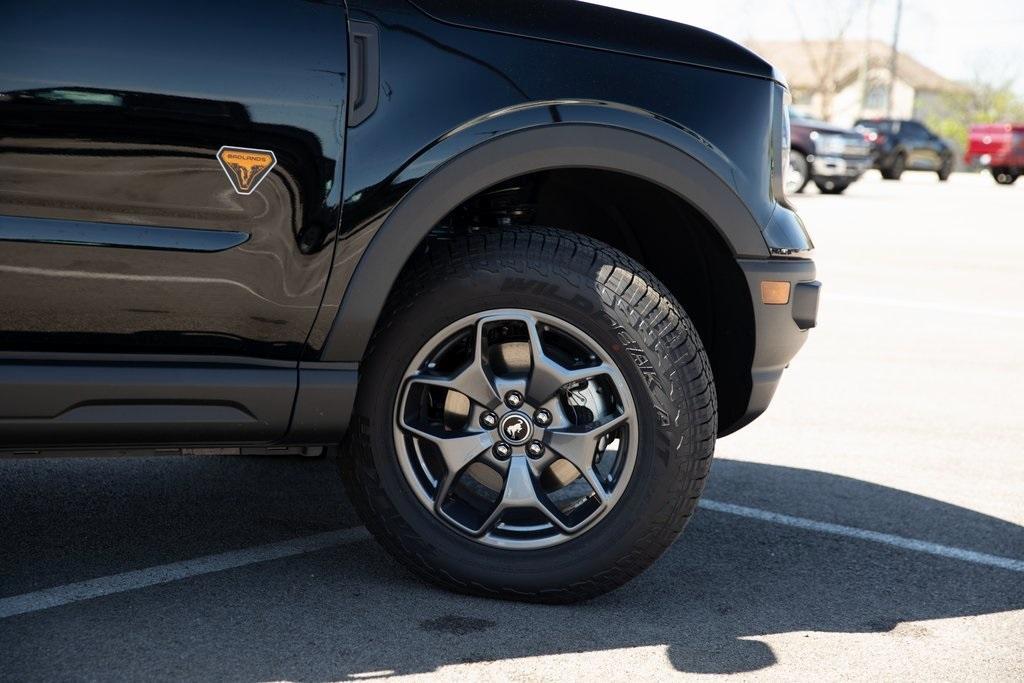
(175, 571)
(866, 535)
(927, 306)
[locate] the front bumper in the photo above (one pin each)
(839, 167)
(998, 160)
(781, 328)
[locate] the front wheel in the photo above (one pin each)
(895, 170)
(945, 170)
(1004, 176)
(798, 174)
(535, 417)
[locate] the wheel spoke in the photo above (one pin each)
(456, 449)
(521, 492)
(473, 380)
(578, 445)
(546, 375)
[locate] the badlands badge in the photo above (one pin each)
(246, 168)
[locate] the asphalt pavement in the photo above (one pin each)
(869, 526)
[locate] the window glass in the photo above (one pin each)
(877, 97)
(914, 130)
(880, 126)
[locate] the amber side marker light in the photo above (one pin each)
(774, 292)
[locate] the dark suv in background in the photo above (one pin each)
(904, 145)
(831, 156)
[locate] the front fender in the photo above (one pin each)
(502, 145)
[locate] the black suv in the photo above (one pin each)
(516, 264)
(903, 145)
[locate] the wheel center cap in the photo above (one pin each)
(515, 428)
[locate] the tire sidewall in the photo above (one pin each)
(899, 165)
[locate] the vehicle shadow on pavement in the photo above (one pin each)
(351, 612)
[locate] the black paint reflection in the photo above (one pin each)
(113, 112)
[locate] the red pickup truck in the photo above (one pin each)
(1000, 147)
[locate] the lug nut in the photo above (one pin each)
(513, 399)
(542, 418)
(535, 449)
(502, 451)
(488, 420)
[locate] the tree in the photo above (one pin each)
(826, 63)
(980, 101)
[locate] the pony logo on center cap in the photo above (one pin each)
(246, 168)
(515, 428)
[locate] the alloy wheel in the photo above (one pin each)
(515, 429)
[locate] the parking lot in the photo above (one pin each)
(870, 525)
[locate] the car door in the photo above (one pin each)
(170, 179)
(169, 174)
(922, 152)
(936, 148)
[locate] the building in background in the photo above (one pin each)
(844, 80)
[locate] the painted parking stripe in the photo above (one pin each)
(928, 306)
(866, 535)
(175, 571)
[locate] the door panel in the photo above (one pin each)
(922, 154)
(120, 230)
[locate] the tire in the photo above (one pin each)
(1004, 176)
(644, 334)
(799, 173)
(895, 171)
(832, 186)
(945, 170)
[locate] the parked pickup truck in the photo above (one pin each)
(516, 264)
(998, 147)
(830, 156)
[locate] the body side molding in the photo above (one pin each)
(121, 401)
(87, 233)
(323, 403)
(82, 401)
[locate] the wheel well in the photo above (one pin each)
(667, 235)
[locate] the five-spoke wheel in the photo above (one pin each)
(516, 429)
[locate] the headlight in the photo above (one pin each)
(828, 143)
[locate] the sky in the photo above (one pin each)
(956, 38)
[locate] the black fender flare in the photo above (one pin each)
(539, 148)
